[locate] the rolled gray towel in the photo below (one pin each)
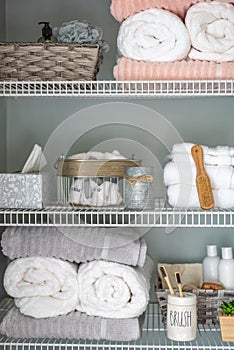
(74, 325)
(78, 244)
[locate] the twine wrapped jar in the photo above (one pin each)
(139, 188)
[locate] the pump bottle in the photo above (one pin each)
(47, 34)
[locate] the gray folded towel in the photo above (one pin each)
(74, 325)
(78, 244)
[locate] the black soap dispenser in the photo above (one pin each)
(47, 34)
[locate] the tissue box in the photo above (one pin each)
(21, 191)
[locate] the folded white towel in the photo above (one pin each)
(212, 151)
(43, 287)
(208, 159)
(211, 28)
(153, 35)
(113, 290)
(185, 196)
(97, 155)
(181, 173)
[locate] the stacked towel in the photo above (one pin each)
(55, 298)
(74, 244)
(128, 69)
(75, 325)
(180, 176)
(151, 51)
(153, 35)
(42, 287)
(114, 290)
(211, 28)
(122, 9)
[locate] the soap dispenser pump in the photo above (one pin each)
(47, 34)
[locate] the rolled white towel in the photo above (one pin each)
(211, 28)
(89, 193)
(179, 173)
(113, 290)
(212, 151)
(185, 196)
(208, 159)
(153, 35)
(42, 287)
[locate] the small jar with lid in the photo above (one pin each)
(139, 188)
(182, 317)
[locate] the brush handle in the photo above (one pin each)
(203, 185)
(197, 154)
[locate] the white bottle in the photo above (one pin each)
(210, 264)
(226, 268)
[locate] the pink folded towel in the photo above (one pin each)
(128, 69)
(122, 9)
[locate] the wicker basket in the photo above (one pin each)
(48, 61)
(208, 303)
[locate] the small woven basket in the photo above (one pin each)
(49, 61)
(208, 303)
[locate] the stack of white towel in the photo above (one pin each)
(174, 39)
(180, 176)
(88, 300)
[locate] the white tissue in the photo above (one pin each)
(35, 162)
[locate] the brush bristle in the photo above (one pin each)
(177, 276)
(162, 269)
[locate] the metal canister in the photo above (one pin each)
(139, 188)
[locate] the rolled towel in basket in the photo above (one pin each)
(180, 173)
(122, 9)
(79, 244)
(42, 287)
(211, 28)
(185, 196)
(153, 35)
(74, 325)
(114, 290)
(128, 69)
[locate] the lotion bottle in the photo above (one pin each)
(226, 268)
(210, 264)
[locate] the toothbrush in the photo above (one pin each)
(166, 278)
(178, 281)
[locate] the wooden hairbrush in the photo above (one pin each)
(203, 185)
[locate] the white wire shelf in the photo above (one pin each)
(153, 337)
(110, 88)
(162, 217)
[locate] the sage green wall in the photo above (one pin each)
(33, 120)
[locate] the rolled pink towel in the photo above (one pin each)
(122, 9)
(128, 69)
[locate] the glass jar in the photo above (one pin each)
(139, 188)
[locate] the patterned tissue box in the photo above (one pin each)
(21, 191)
